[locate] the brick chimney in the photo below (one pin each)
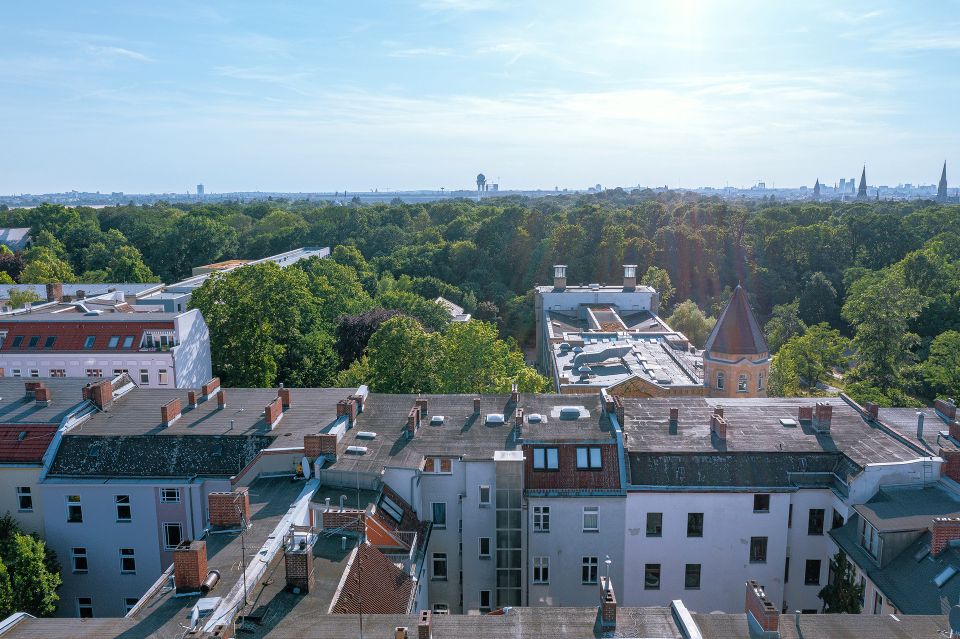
(805, 414)
(31, 387)
(514, 394)
(945, 530)
(222, 508)
(559, 277)
(476, 405)
(170, 412)
(718, 411)
(618, 409)
(629, 276)
(518, 419)
(951, 463)
(54, 292)
(272, 412)
(718, 426)
(210, 388)
(873, 411)
(348, 408)
(318, 444)
(674, 415)
(358, 400)
(284, 395)
(947, 407)
(822, 416)
(100, 394)
(608, 604)
(413, 422)
(190, 565)
(42, 395)
(298, 560)
(425, 625)
(192, 399)
(421, 403)
(221, 400)
(762, 611)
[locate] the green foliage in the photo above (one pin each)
(429, 313)
(843, 594)
(818, 301)
(19, 297)
(691, 321)
(44, 266)
(941, 370)
(659, 279)
(29, 572)
(6, 593)
(806, 360)
(784, 324)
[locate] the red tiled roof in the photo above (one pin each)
(71, 336)
(25, 443)
(737, 331)
(377, 584)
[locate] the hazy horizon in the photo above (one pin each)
(108, 96)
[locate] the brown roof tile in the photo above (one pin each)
(376, 583)
(737, 331)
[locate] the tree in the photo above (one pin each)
(473, 359)
(19, 297)
(941, 370)
(690, 320)
(430, 314)
(784, 324)
(880, 307)
(34, 584)
(818, 301)
(808, 358)
(487, 311)
(659, 280)
(6, 593)
(335, 290)
(43, 266)
(353, 332)
(843, 594)
(194, 240)
(311, 361)
(401, 357)
(127, 266)
(11, 263)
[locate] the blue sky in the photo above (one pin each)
(307, 96)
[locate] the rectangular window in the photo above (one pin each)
(17, 341)
(719, 381)
(484, 543)
(758, 550)
(94, 372)
(870, 539)
(877, 603)
(761, 503)
(811, 575)
(591, 519)
(34, 372)
(695, 525)
(590, 568)
(128, 562)
(144, 376)
(170, 496)
(484, 495)
(651, 577)
(119, 371)
(24, 499)
(691, 577)
(588, 458)
(837, 520)
(74, 509)
(815, 522)
(129, 603)
(485, 601)
(439, 566)
(58, 372)
(546, 459)
(128, 341)
(541, 570)
(15, 372)
(654, 524)
(162, 376)
(85, 607)
(742, 384)
(113, 342)
(50, 341)
(78, 559)
(439, 509)
(123, 508)
(90, 341)
(441, 609)
(172, 535)
(34, 340)
(760, 381)
(541, 519)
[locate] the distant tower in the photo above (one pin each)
(862, 191)
(481, 184)
(942, 187)
(199, 190)
(816, 190)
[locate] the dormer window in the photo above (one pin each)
(870, 539)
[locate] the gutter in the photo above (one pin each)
(11, 621)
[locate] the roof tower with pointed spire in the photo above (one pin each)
(942, 187)
(816, 188)
(737, 331)
(862, 191)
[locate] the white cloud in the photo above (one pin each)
(418, 52)
(109, 52)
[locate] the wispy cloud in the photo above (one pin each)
(912, 39)
(418, 52)
(852, 18)
(113, 53)
(460, 5)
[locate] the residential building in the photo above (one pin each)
(16, 239)
(102, 337)
(456, 312)
(43, 292)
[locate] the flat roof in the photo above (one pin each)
(754, 425)
(614, 358)
(905, 508)
(18, 408)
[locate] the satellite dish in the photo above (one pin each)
(955, 620)
(305, 464)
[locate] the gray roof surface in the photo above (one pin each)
(15, 237)
(613, 359)
(129, 290)
(753, 426)
(893, 509)
(462, 433)
(17, 408)
(906, 582)
(904, 421)
(726, 626)
(45, 314)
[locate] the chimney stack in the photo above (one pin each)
(221, 400)
(514, 394)
(42, 395)
(273, 412)
(298, 560)
(718, 426)
(618, 410)
(229, 509)
(421, 404)
(55, 292)
(425, 625)
(518, 419)
(873, 411)
(919, 424)
(674, 415)
(413, 422)
(629, 276)
(192, 399)
(100, 394)
(284, 395)
(476, 405)
(358, 400)
(559, 277)
(190, 566)
(608, 604)
(805, 414)
(946, 407)
(822, 416)
(945, 530)
(210, 388)
(347, 408)
(170, 412)
(760, 609)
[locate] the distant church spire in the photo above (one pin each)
(942, 187)
(862, 191)
(816, 188)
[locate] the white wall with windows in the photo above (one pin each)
(479, 522)
(19, 496)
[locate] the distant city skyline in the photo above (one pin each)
(108, 96)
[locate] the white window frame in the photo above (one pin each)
(436, 559)
(144, 377)
(24, 492)
(117, 504)
(480, 490)
(166, 537)
(433, 513)
(84, 606)
(541, 519)
(34, 372)
(74, 556)
(441, 609)
(541, 570)
(480, 553)
(743, 383)
(15, 372)
(162, 377)
(489, 596)
(165, 499)
(70, 503)
(128, 554)
(591, 519)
